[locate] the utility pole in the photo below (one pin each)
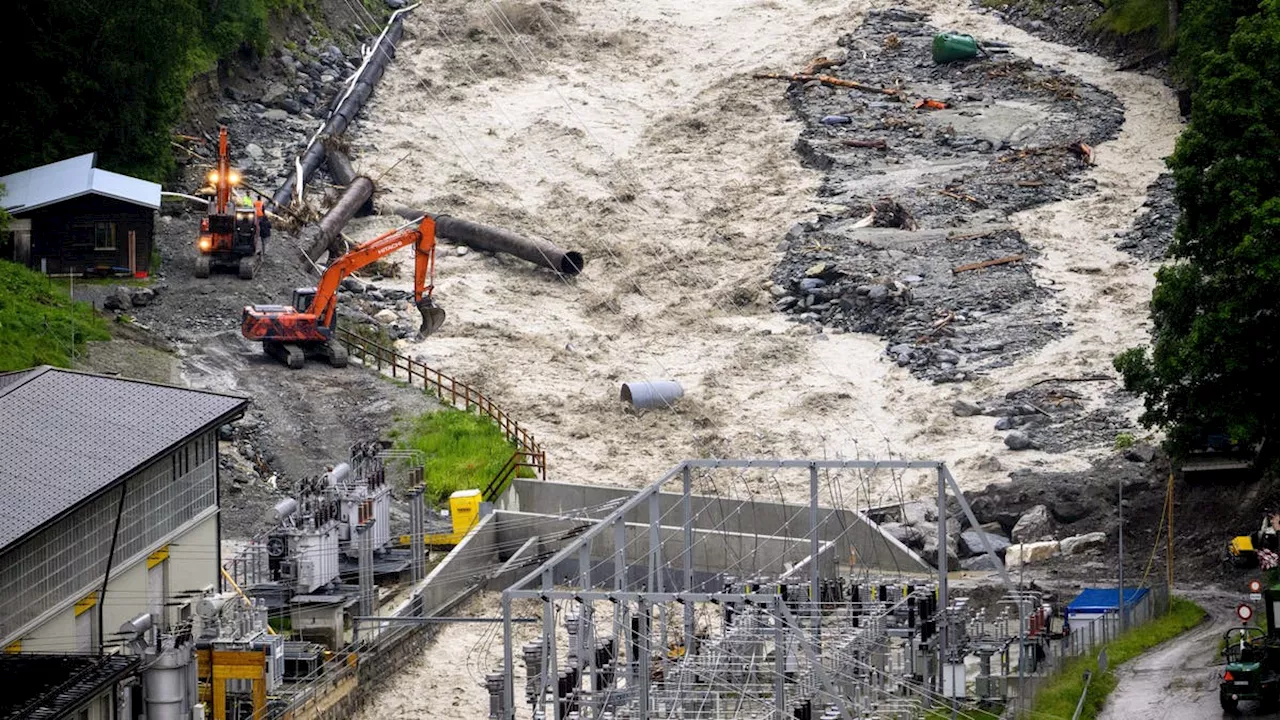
(1120, 535)
(1169, 562)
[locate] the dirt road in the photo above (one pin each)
(1179, 679)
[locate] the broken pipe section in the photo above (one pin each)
(356, 199)
(651, 393)
(491, 239)
(348, 104)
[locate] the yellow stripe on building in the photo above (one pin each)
(86, 602)
(157, 557)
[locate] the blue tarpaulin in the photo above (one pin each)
(1104, 600)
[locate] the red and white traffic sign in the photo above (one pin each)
(1244, 612)
(1255, 586)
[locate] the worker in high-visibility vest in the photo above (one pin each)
(264, 222)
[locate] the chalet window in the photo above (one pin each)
(104, 236)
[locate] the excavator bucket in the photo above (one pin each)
(432, 317)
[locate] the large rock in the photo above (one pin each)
(914, 513)
(274, 93)
(905, 534)
(964, 408)
(971, 542)
(1081, 543)
(1033, 525)
(1069, 511)
(141, 297)
(1018, 440)
(1027, 553)
(930, 550)
(118, 299)
(1140, 454)
(980, 562)
(386, 316)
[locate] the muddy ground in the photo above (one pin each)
(300, 422)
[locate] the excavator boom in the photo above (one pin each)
(309, 322)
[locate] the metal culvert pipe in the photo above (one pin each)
(492, 239)
(651, 393)
(347, 106)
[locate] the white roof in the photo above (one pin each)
(73, 177)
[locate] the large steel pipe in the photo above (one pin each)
(492, 239)
(357, 195)
(347, 106)
(651, 393)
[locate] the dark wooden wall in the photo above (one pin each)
(63, 234)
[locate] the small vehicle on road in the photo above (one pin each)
(1252, 655)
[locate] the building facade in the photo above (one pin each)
(70, 217)
(108, 506)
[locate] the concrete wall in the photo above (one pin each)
(463, 568)
(858, 540)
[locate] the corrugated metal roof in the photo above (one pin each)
(35, 188)
(43, 687)
(65, 435)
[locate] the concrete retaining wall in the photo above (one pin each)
(858, 540)
(715, 552)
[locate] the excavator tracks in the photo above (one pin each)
(287, 353)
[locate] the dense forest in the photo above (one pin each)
(1216, 331)
(111, 75)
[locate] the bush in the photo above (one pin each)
(1124, 441)
(39, 323)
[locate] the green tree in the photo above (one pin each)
(101, 76)
(111, 75)
(1205, 26)
(1213, 360)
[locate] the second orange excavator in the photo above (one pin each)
(232, 234)
(291, 333)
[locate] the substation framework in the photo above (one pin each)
(792, 633)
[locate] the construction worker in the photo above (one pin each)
(264, 224)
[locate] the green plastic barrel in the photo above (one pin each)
(949, 47)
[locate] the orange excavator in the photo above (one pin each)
(231, 234)
(291, 333)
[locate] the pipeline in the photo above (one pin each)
(357, 195)
(491, 239)
(348, 104)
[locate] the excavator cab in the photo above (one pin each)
(302, 299)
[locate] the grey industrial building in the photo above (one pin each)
(108, 505)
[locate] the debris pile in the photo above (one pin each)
(1016, 537)
(1054, 416)
(1152, 230)
(924, 253)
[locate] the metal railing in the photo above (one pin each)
(1087, 637)
(457, 394)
